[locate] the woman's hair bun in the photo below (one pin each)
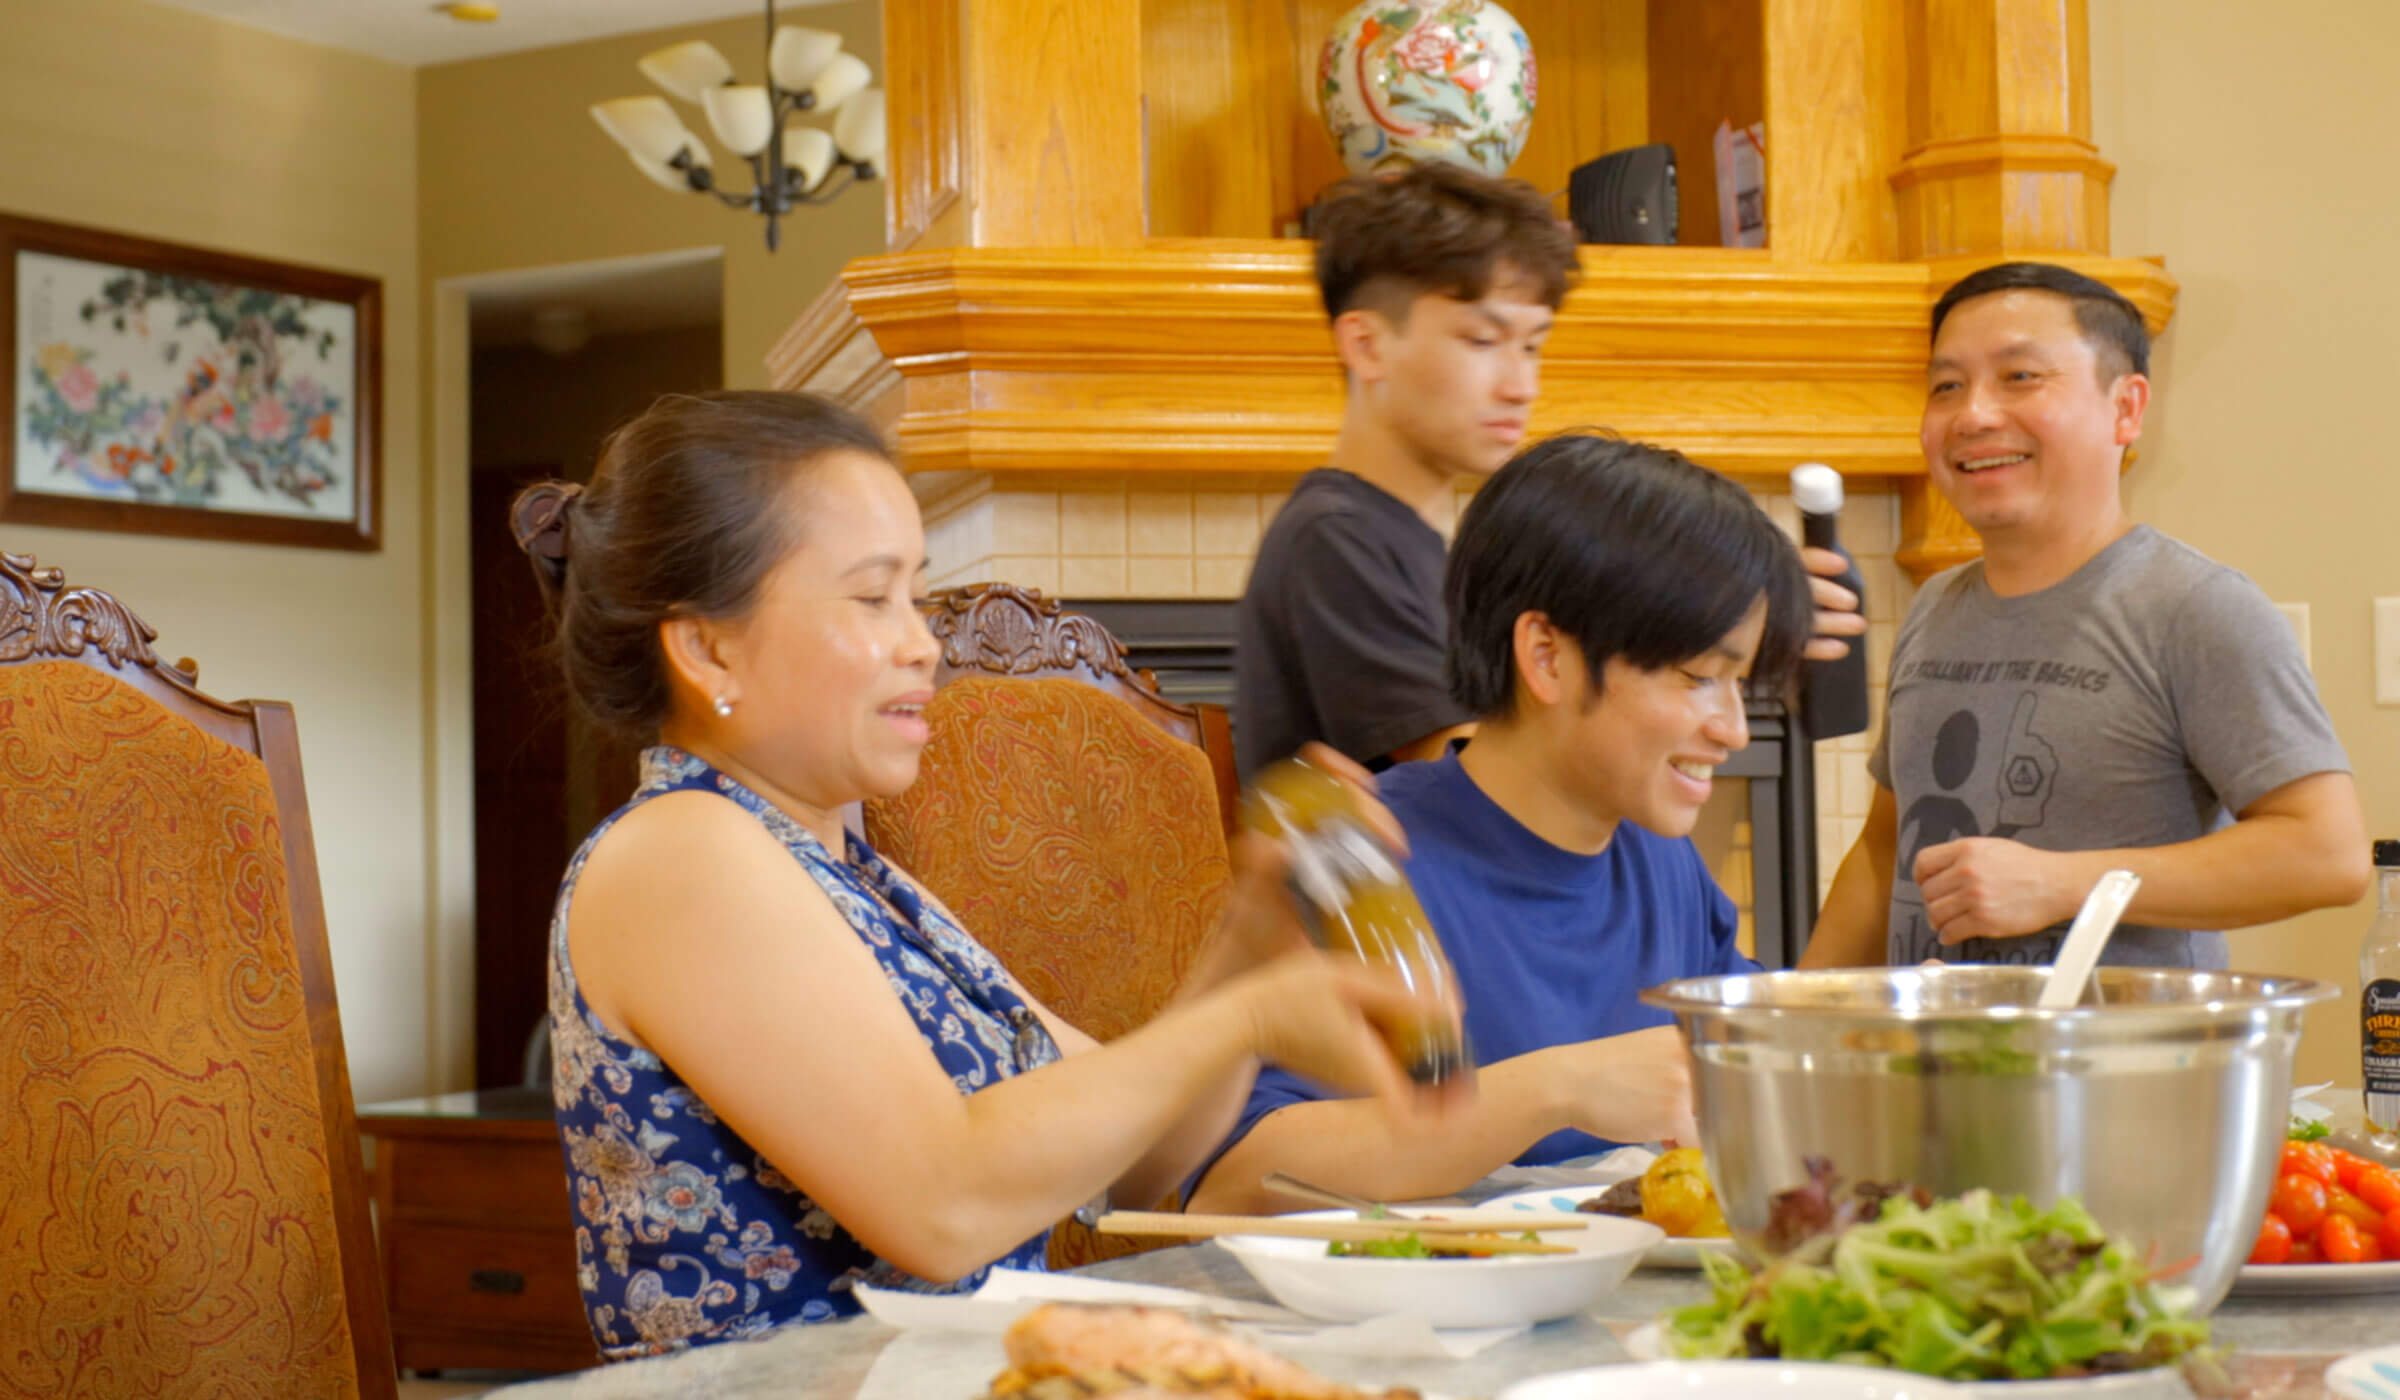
(539, 518)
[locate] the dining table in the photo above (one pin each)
(2279, 1346)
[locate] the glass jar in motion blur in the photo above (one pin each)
(1354, 898)
(2379, 996)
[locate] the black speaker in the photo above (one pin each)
(1625, 196)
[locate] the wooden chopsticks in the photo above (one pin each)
(1456, 1232)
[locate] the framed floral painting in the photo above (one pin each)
(167, 390)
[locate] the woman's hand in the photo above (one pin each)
(1317, 1015)
(1361, 783)
(1259, 916)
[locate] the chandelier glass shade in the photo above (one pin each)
(793, 160)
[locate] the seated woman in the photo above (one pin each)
(782, 1067)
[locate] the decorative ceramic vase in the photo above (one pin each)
(1403, 81)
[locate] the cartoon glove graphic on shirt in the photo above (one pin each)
(2028, 770)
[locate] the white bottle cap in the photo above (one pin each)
(1816, 488)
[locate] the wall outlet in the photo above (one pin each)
(2387, 651)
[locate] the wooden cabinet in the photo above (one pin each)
(478, 1246)
(1085, 280)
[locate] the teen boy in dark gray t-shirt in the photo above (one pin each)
(1441, 284)
(1341, 628)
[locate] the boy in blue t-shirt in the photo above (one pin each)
(1607, 601)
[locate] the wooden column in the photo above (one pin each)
(1837, 108)
(2003, 161)
(1010, 125)
(2001, 165)
(1014, 124)
(1223, 95)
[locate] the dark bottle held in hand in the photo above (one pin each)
(1354, 898)
(1833, 694)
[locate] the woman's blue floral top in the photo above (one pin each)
(684, 1234)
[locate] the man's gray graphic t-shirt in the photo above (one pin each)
(2141, 701)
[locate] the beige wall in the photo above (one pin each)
(153, 121)
(2251, 150)
(125, 115)
(514, 174)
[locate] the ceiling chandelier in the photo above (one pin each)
(791, 162)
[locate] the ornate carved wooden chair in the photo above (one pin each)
(182, 1209)
(1072, 817)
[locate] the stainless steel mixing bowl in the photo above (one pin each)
(2163, 1107)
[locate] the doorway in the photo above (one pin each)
(559, 357)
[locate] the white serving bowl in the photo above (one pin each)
(1506, 1290)
(1732, 1380)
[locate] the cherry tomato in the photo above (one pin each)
(2389, 1235)
(2346, 1167)
(2364, 1216)
(2304, 1252)
(2378, 1187)
(2340, 1241)
(2311, 1159)
(2274, 1241)
(2300, 1200)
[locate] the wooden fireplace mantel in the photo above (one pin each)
(1190, 358)
(1032, 319)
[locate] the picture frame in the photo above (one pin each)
(156, 388)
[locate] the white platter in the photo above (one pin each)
(1730, 1380)
(1672, 1252)
(2315, 1280)
(1506, 1290)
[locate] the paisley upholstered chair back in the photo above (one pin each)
(1069, 815)
(182, 1209)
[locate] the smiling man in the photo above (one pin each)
(1552, 853)
(2089, 695)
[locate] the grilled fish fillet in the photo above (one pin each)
(1066, 1352)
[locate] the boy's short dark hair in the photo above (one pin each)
(1384, 240)
(1633, 550)
(2110, 324)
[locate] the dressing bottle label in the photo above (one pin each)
(2379, 1043)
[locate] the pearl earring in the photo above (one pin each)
(724, 708)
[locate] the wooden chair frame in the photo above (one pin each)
(42, 619)
(1000, 629)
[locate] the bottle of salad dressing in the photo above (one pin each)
(1354, 898)
(2379, 995)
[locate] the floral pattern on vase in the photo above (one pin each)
(1404, 81)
